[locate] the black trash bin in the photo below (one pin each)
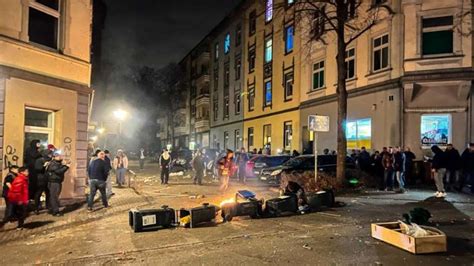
(245, 204)
(203, 214)
(281, 205)
(152, 219)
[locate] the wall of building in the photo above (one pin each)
(217, 136)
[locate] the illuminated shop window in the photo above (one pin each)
(435, 130)
(359, 133)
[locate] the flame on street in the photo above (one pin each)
(224, 202)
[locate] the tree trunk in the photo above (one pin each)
(341, 97)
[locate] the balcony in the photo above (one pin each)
(202, 79)
(202, 124)
(202, 99)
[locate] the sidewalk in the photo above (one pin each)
(75, 214)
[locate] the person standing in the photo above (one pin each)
(141, 158)
(226, 166)
(120, 167)
(7, 184)
(98, 174)
(31, 154)
(18, 198)
(468, 167)
(55, 173)
(438, 168)
(42, 180)
(165, 160)
(242, 162)
(364, 160)
(397, 168)
(387, 162)
(108, 162)
(407, 166)
(198, 166)
(453, 165)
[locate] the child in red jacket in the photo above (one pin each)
(18, 196)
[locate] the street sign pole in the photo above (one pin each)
(315, 140)
(317, 123)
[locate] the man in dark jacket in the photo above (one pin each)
(364, 160)
(398, 168)
(98, 173)
(387, 162)
(55, 171)
(42, 181)
(407, 167)
(453, 165)
(198, 166)
(468, 167)
(31, 154)
(438, 168)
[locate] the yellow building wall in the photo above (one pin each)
(20, 94)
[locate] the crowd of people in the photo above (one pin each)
(394, 166)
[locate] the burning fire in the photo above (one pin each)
(227, 201)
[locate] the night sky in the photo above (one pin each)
(156, 32)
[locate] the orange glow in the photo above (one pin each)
(224, 202)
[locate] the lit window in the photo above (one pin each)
(318, 75)
(227, 43)
(380, 53)
(250, 138)
(287, 135)
(288, 86)
(268, 93)
(251, 98)
(437, 35)
(268, 50)
(43, 22)
(350, 63)
(359, 134)
(216, 51)
(289, 38)
(269, 10)
(39, 124)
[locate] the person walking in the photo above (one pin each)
(141, 158)
(165, 160)
(108, 162)
(407, 167)
(387, 162)
(398, 168)
(453, 165)
(468, 168)
(198, 166)
(18, 198)
(31, 154)
(120, 167)
(55, 171)
(42, 180)
(98, 174)
(242, 163)
(7, 184)
(438, 168)
(226, 167)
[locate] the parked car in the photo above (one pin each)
(236, 166)
(326, 163)
(257, 163)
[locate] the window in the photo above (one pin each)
(287, 135)
(226, 140)
(267, 135)
(226, 76)
(268, 94)
(318, 75)
(39, 124)
(435, 130)
(351, 8)
(216, 78)
(193, 109)
(238, 66)
(350, 63)
(236, 139)
(268, 10)
(227, 43)
(268, 50)
(251, 58)
(237, 103)
(252, 22)
(250, 138)
(289, 38)
(216, 51)
(216, 109)
(318, 28)
(289, 2)
(238, 34)
(288, 86)
(226, 107)
(359, 133)
(437, 35)
(251, 98)
(43, 22)
(380, 55)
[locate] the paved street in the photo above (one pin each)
(340, 235)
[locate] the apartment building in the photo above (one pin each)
(45, 73)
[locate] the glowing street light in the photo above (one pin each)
(94, 138)
(101, 130)
(120, 114)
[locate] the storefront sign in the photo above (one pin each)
(318, 123)
(435, 130)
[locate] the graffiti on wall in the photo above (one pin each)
(67, 148)
(10, 158)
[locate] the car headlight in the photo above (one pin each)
(276, 172)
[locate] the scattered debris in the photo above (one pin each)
(306, 246)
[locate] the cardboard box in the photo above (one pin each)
(391, 233)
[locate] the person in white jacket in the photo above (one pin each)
(120, 167)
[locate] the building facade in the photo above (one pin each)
(45, 82)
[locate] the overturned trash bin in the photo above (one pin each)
(195, 216)
(244, 204)
(316, 200)
(281, 205)
(152, 220)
